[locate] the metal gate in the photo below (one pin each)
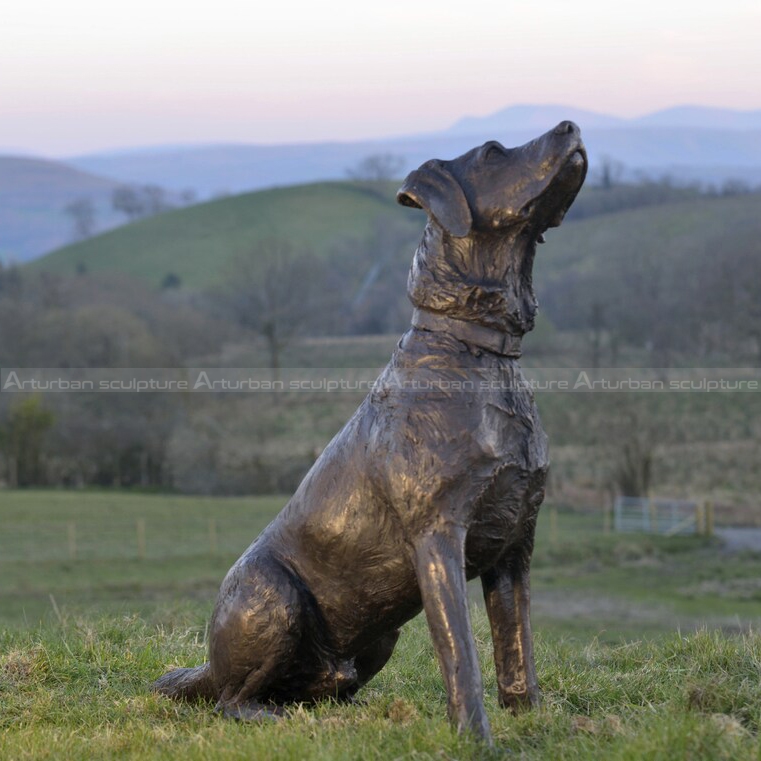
(669, 517)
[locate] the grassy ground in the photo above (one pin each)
(81, 640)
(179, 561)
(78, 691)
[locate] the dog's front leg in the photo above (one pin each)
(507, 596)
(440, 567)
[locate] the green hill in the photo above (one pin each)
(606, 242)
(199, 243)
(653, 270)
(663, 272)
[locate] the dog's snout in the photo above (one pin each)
(566, 128)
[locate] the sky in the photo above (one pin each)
(81, 76)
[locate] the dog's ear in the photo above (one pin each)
(433, 188)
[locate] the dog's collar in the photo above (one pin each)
(490, 339)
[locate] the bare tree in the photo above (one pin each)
(155, 200)
(631, 436)
(11, 283)
(127, 199)
(596, 331)
(609, 172)
(633, 469)
(735, 187)
(138, 202)
(274, 290)
(378, 166)
(379, 302)
(82, 213)
(188, 197)
(22, 439)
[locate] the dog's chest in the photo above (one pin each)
(511, 475)
(474, 443)
(503, 515)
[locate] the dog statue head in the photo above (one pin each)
(487, 209)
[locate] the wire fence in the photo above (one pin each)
(137, 539)
(158, 537)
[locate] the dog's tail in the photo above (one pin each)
(187, 684)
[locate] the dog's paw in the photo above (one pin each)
(519, 702)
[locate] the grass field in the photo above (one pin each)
(645, 644)
(152, 554)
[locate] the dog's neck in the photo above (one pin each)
(485, 278)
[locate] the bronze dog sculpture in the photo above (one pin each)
(420, 491)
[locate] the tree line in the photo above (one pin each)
(133, 201)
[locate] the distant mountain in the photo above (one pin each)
(688, 143)
(537, 118)
(701, 117)
(231, 168)
(534, 118)
(33, 193)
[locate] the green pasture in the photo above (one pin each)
(84, 553)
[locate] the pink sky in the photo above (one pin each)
(80, 76)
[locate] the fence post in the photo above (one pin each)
(72, 532)
(653, 516)
(141, 538)
(700, 519)
(213, 536)
(709, 518)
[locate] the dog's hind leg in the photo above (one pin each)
(507, 596)
(256, 629)
(506, 592)
(243, 705)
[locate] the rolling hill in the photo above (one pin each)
(606, 245)
(598, 242)
(199, 243)
(678, 276)
(33, 193)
